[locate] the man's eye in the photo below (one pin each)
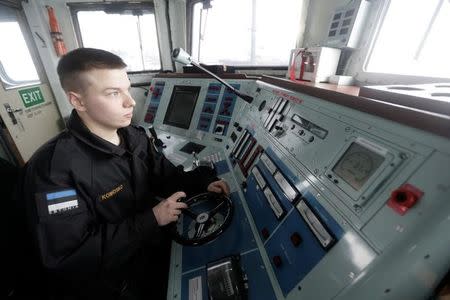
(115, 94)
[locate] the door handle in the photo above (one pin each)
(11, 112)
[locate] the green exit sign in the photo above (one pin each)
(31, 96)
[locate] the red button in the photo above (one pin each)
(404, 198)
(265, 233)
(277, 261)
(296, 239)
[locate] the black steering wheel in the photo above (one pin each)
(207, 216)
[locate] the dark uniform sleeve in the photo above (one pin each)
(69, 236)
(171, 179)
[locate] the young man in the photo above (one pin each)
(91, 191)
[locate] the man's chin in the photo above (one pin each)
(125, 123)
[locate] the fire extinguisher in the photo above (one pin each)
(55, 33)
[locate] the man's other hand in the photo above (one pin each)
(220, 186)
(169, 209)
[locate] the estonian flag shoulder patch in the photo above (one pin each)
(61, 201)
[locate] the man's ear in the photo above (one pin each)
(76, 100)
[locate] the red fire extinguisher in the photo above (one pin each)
(55, 33)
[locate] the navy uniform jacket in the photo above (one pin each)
(90, 202)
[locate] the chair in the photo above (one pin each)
(22, 276)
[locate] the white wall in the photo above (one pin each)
(37, 18)
(318, 20)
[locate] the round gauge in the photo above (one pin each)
(357, 166)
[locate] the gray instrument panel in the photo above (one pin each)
(332, 146)
(390, 156)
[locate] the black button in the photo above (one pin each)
(311, 138)
(292, 127)
(301, 132)
(329, 176)
(236, 124)
(239, 128)
(336, 181)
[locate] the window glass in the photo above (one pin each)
(413, 43)
(16, 65)
(132, 37)
(245, 32)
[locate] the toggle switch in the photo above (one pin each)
(278, 127)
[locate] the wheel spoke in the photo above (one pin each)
(190, 213)
(216, 209)
(199, 231)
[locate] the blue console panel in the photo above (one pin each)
(292, 247)
(259, 286)
(236, 239)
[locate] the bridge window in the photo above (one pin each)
(245, 32)
(16, 65)
(413, 39)
(128, 30)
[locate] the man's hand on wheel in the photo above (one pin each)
(219, 186)
(169, 209)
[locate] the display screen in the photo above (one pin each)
(357, 165)
(181, 106)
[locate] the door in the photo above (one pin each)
(27, 105)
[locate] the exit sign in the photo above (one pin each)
(31, 96)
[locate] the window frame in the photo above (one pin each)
(24, 28)
(189, 30)
(357, 66)
(147, 6)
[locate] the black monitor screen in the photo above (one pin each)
(181, 106)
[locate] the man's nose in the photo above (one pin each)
(129, 101)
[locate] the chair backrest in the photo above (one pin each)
(22, 276)
(9, 176)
